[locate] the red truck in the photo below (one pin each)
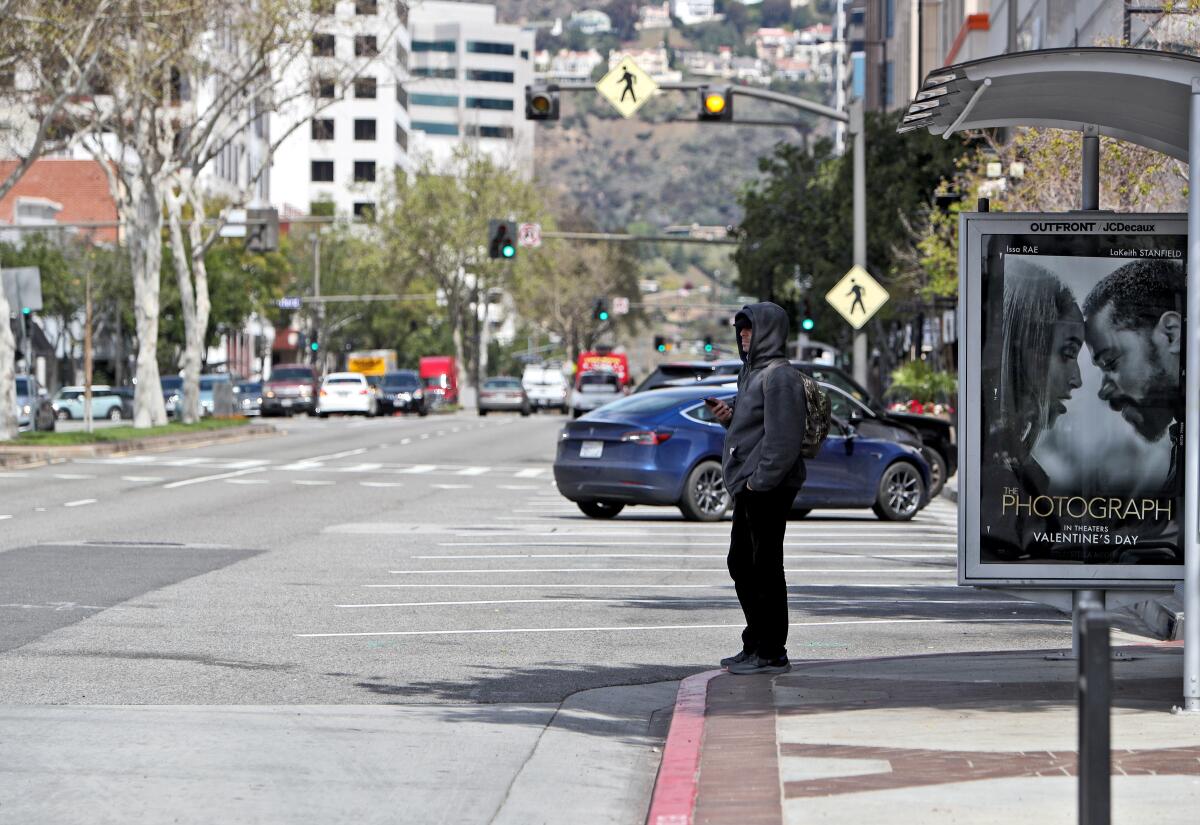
(439, 376)
(617, 362)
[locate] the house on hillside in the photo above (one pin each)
(566, 66)
(654, 16)
(590, 21)
(654, 62)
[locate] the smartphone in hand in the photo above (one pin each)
(711, 401)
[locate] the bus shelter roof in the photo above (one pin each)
(1136, 95)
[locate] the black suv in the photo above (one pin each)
(937, 436)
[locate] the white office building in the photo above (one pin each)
(353, 146)
(468, 78)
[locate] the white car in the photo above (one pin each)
(346, 392)
(546, 387)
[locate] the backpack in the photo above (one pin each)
(817, 419)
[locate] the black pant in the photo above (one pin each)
(756, 565)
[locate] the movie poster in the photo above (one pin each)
(1081, 377)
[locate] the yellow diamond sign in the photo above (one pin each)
(857, 296)
(627, 87)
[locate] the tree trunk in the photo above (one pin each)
(8, 375)
(189, 401)
(143, 223)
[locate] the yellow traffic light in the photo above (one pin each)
(714, 103)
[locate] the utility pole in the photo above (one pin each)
(857, 126)
(87, 352)
(318, 306)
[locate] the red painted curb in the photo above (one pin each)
(674, 799)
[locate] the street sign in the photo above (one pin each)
(857, 296)
(530, 235)
(627, 87)
(23, 288)
(620, 305)
(288, 302)
(235, 226)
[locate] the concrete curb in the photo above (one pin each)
(14, 457)
(674, 799)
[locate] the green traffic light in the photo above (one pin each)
(314, 346)
(26, 310)
(603, 316)
(508, 250)
(807, 324)
(662, 347)
(708, 347)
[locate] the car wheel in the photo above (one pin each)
(114, 414)
(704, 494)
(800, 513)
(937, 470)
(423, 411)
(483, 412)
(63, 415)
(901, 491)
(322, 415)
(575, 413)
(600, 509)
(524, 412)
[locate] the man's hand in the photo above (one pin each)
(720, 410)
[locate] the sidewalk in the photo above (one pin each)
(985, 738)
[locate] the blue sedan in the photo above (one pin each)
(664, 448)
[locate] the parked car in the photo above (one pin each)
(664, 448)
(68, 403)
(594, 389)
(248, 397)
(291, 388)
(126, 394)
(346, 392)
(546, 386)
(401, 391)
(503, 394)
(34, 410)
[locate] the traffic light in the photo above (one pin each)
(502, 239)
(600, 309)
(807, 322)
(716, 103)
(26, 311)
(541, 102)
(660, 343)
(708, 344)
(313, 345)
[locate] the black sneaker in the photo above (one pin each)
(757, 664)
(736, 660)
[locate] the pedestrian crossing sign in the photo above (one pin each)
(857, 296)
(627, 87)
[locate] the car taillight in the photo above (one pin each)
(647, 438)
(363, 392)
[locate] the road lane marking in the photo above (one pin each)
(142, 478)
(424, 436)
(451, 486)
(2, 518)
(542, 532)
(80, 502)
(218, 477)
(406, 441)
(246, 481)
(682, 543)
(304, 483)
(722, 570)
(731, 601)
(473, 471)
(530, 473)
(572, 586)
(515, 487)
(417, 468)
(381, 483)
(73, 476)
(367, 467)
(332, 456)
(186, 462)
(617, 628)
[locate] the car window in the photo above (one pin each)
(22, 386)
(401, 382)
(172, 382)
(207, 383)
(254, 387)
(651, 402)
(700, 412)
(67, 395)
(502, 384)
(291, 373)
(345, 379)
(838, 380)
(841, 405)
(598, 382)
(436, 381)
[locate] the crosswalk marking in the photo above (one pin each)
(473, 471)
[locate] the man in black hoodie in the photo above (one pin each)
(763, 468)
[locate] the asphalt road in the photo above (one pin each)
(426, 563)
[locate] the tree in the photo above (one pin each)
(435, 227)
(49, 56)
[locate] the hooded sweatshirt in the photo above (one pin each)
(762, 446)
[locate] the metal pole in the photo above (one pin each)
(319, 307)
(1090, 172)
(860, 225)
(1095, 697)
(1191, 428)
(87, 353)
(1081, 602)
(1013, 21)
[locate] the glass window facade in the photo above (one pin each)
(448, 46)
(364, 171)
(434, 100)
(486, 47)
(321, 171)
(322, 128)
(364, 129)
(489, 103)
(489, 76)
(435, 128)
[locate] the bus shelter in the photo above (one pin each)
(1119, 515)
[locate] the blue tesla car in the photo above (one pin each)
(664, 448)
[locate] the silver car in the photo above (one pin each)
(503, 394)
(594, 389)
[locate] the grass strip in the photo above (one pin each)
(110, 434)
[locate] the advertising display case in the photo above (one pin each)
(1071, 403)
